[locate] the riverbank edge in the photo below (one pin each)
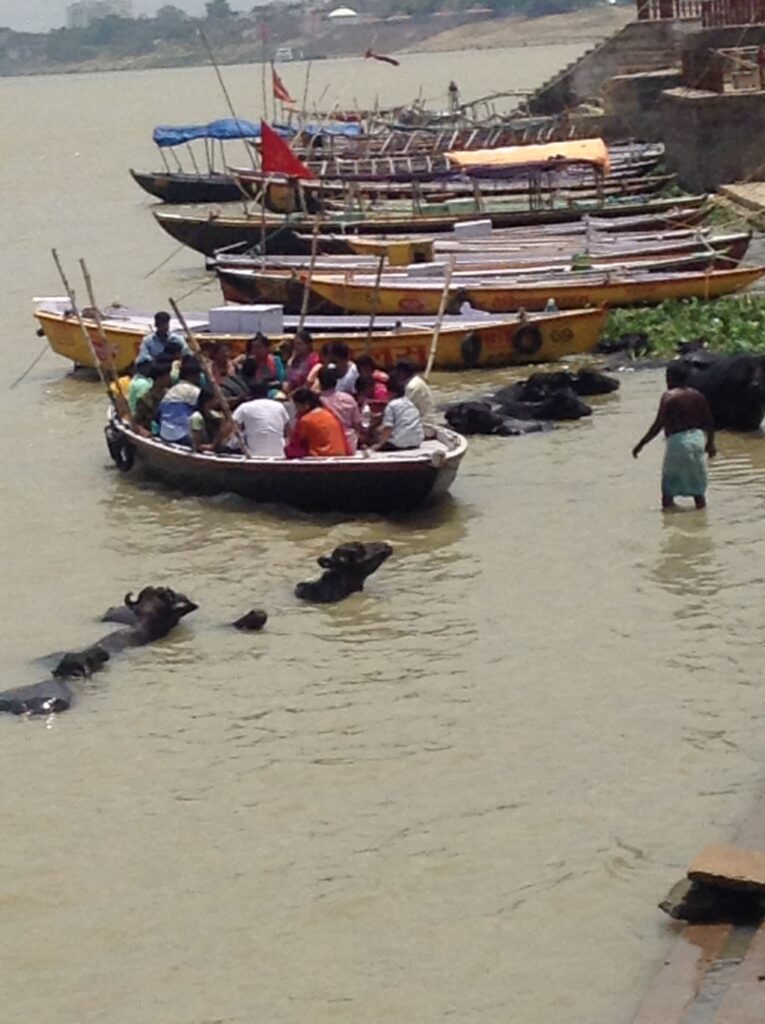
(577, 27)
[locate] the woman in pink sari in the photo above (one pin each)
(302, 361)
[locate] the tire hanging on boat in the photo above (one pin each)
(470, 350)
(528, 340)
(121, 451)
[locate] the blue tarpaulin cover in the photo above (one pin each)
(350, 129)
(226, 128)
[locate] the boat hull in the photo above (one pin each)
(506, 297)
(177, 188)
(350, 485)
(207, 234)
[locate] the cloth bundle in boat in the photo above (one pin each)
(684, 473)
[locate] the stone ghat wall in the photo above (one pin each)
(713, 138)
(638, 47)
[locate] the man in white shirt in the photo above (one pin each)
(417, 391)
(401, 426)
(264, 420)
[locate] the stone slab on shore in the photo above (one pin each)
(730, 867)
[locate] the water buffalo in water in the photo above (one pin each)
(146, 618)
(634, 345)
(252, 622)
(346, 569)
(734, 386)
(484, 418)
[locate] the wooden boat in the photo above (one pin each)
(179, 187)
(286, 287)
(359, 294)
(464, 343)
(211, 231)
(379, 482)
(288, 196)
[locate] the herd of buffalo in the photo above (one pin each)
(158, 610)
(734, 386)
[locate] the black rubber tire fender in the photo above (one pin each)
(121, 451)
(527, 340)
(470, 349)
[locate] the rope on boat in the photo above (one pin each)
(31, 366)
(167, 259)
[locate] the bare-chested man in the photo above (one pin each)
(685, 417)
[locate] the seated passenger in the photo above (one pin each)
(140, 383)
(417, 390)
(401, 424)
(221, 364)
(264, 421)
(302, 361)
(180, 402)
(343, 405)
(268, 367)
(146, 410)
(325, 359)
(318, 432)
(205, 423)
(347, 374)
(154, 344)
(378, 392)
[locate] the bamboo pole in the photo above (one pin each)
(375, 303)
(439, 319)
(85, 334)
(307, 281)
(193, 344)
(266, 184)
(226, 93)
(119, 399)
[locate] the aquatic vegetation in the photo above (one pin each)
(735, 324)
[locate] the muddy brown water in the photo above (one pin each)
(456, 796)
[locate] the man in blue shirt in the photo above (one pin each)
(153, 345)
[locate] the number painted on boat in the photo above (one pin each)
(562, 335)
(411, 305)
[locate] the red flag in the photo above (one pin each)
(381, 56)
(276, 157)
(280, 93)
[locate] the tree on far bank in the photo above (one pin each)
(217, 10)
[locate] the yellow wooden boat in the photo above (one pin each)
(464, 342)
(418, 297)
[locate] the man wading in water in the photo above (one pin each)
(684, 416)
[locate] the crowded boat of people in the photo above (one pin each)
(293, 403)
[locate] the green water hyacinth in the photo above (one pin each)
(727, 325)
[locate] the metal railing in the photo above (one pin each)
(719, 13)
(669, 10)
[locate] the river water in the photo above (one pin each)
(458, 795)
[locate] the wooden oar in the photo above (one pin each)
(375, 302)
(113, 397)
(109, 360)
(440, 317)
(193, 344)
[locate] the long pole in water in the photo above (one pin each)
(83, 329)
(193, 344)
(307, 281)
(375, 303)
(439, 319)
(119, 399)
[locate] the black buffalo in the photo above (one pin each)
(734, 386)
(483, 418)
(146, 618)
(346, 569)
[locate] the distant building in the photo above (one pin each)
(84, 13)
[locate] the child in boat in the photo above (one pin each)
(205, 423)
(401, 428)
(378, 380)
(146, 409)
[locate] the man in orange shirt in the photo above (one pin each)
(318, 431)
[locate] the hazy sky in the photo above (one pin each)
(40, 15)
